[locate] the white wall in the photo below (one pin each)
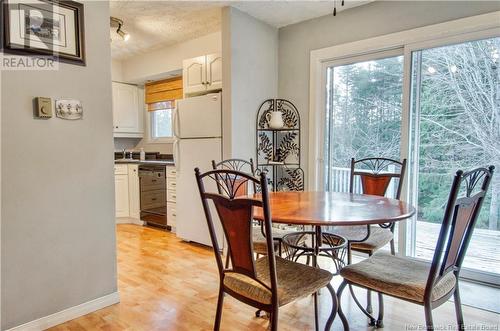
(117, 70)
(250, 76)
(156, 64)
(375, 19)
(57, 190)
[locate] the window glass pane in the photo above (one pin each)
(363, 116)
(161, 123)
(456, 125)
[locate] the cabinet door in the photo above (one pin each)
(194, 75)
(133, 191)
(126, 112)
(121, 196)
(214, 71)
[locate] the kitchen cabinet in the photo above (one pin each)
(134, 191)
(202, 74)
(171, 197)
(127, 111)
(121, 191)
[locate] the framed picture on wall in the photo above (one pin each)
(44, 27)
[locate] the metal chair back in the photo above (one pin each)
(376, 173)
(459, 219)
(236, 215)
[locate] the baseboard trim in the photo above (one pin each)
(68, 314)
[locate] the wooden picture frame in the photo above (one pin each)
(44, 28)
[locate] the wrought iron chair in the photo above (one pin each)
(375, 176)
(426, 284)
(266, 283)
(259, 240)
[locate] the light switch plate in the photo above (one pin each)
(43, 107)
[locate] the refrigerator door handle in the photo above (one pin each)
(177, 153)
(175, 122)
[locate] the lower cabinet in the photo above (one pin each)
(127, 196)
(171, 197)
(134, 194)
(121, 191)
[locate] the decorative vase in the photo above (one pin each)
(275, 119)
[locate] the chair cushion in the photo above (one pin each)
(379, 237)
(397, 276)
(295, 281)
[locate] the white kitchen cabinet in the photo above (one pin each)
(121, 191)
(202, 74)
(194, 74)
(171, 197)
(127, 111)
(214, 72)
(134, 191)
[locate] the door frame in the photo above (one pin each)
(442, 34)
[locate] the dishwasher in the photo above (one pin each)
(153, 190)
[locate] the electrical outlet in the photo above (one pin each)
(43, 107)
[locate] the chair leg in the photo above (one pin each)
(218, 314)
(339, 303)
(335, 305)
(316, 315)
(369, 307)
(458, 309)
(393, 247)
(274, 320)
(428, 316)
(380, 318)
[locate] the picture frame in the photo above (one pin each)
(44, 28)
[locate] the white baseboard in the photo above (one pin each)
(129, 220)
(68, 314)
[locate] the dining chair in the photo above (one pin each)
(259, 240)
(373, 176)
(423, 283)
(265, 283)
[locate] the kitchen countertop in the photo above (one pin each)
(149, 162)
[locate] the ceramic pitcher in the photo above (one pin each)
(275, 119)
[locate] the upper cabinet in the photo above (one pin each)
(202, 74)
(127, 111)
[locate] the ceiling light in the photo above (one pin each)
(118, 24)
(453, 68)
(125, 36)
(431, 70)
(335, 7)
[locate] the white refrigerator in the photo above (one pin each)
(198, 141)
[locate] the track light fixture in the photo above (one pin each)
(335, 7)
(118, 23)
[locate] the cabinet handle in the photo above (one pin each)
(154, 199)
(173, 184)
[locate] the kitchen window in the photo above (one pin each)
(160, 120)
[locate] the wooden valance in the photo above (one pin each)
(167, 90)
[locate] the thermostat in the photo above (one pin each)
(43, 107)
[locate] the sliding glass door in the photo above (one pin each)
(451, 121)
(455, 123)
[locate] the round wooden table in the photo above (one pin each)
(333, 209)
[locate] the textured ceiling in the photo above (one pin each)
(156, 24)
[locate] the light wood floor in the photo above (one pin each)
(167, 284)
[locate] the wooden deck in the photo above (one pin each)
(483, 253)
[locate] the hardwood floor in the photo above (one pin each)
(167, 284)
